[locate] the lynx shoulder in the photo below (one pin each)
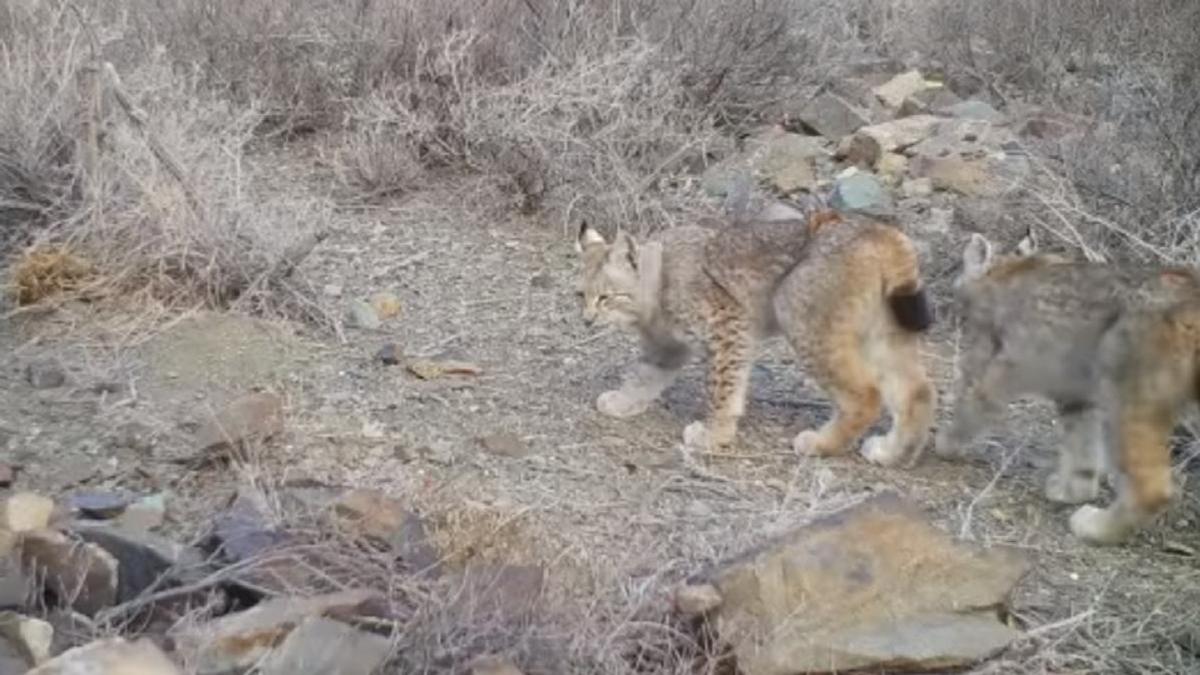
(846, 293)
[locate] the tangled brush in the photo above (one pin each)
(44, 272)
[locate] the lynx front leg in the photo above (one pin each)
(662, 359)
(1077, 478)
(980, 400)
(731, 348)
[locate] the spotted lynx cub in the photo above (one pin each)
(846, 293)
(1038, 324)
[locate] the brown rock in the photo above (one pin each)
(80, 575)
(967, 177)
(430, 369)
(255, 416)
(25, 511)
(240, 640)
(113, 656)
(321, 646)
(891, 167)
(374, 515)
(872, 587)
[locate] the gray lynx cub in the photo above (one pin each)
(1037, 324)
(846, 293)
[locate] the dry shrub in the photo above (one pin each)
(103, 182)
(45, 272)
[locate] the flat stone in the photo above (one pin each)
(98, 505)
(431, 369)
(254, 416)
(928, 101)
(787, 161)
(113, 656)
(321, 646)
(240, 640)
(873, 587)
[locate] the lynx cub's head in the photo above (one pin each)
(979, 257)
(610, 278)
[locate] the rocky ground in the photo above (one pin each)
(456, 383)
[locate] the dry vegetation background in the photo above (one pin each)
(551, 110)
(602, 108)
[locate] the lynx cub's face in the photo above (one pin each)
(610, 278)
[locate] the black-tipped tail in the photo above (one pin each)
(911, 309)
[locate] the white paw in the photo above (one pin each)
(1097, 526)
(807, 442)
(620, 404)
(880, 450)
(695, 437)
(1070, 490)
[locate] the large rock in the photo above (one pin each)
(972, 109)
(113, 656)
(833, 116)
(928, 101)
(240, 640)
(971, 157)
(872, 587)
(32, 637)
(321, 646)
(373, 515)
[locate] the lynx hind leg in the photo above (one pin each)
(661, 361)
(842, 370)
(1144, 488)
(1077, 477)
(910, 398)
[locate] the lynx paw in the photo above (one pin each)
(1098, 526)
(621, 404)
(813, 443)
(695, 437)
(882, 451)
(1070, 489)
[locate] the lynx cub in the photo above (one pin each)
(1036, 324)
(845, 292)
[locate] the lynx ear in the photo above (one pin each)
(976, 256)
(1028, 244)
(587, 238)
(627, 247)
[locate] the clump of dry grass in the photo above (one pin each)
(44, 272)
